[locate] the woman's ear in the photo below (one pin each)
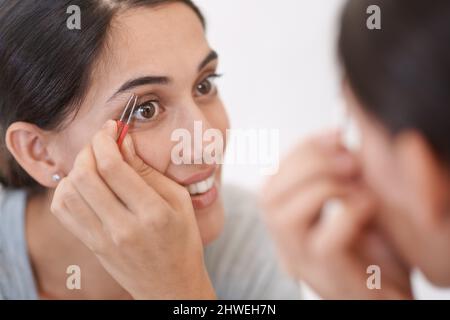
(426, 177)
(29, 146)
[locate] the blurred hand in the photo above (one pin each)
(330, 252)
(140, 224)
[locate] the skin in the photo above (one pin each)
(393, 190)
(125, 249)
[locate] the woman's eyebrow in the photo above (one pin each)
(210, 57)
(148, 80)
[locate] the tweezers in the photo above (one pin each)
(122, 125)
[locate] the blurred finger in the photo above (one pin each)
(310, 162)
(304, 210)
(342, 230)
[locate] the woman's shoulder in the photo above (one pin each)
(240, 203)
(243, 224)
(12, 209)
(242, 263)
(12, 206)
(16, 279)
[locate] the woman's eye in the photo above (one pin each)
(207, 86)
(147, 111)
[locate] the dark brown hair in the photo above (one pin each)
(45, 67)
(401, 73)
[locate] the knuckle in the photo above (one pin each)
(163, 221)
(187, 207)
(184, 194)
(80, 175)
(179, 199)
(97, 244)
(182, 199)
(57, 206)
(185, 199)
(158, 220)
(123, 236)
(71, 198)
(144, 170)
(108, 166)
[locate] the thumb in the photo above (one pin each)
(130, 156)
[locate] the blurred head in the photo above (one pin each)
(397, 82)
(59, 86)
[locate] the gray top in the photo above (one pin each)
(241, 263)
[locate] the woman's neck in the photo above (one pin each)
(52, 249)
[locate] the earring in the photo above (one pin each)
(56, 177)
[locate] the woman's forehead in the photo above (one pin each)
(163, 31)
(162, 41)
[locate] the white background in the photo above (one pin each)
(280, 71)
(278, 61)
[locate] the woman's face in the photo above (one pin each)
(160, 54)
(413, 193)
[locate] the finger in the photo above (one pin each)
(342, 230)
(303, 211)
(307, 164)
(171, 191)
(122, 179)
(76, 216)
(95, 192)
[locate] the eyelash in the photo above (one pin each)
(211, 78)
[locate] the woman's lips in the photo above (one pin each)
(204, 200)
(203, 189)
(198, 177)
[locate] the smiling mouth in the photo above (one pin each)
(201, 187)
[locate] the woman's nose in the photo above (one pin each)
(196, 124)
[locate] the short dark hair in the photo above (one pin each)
(401, 73)
(45, 67)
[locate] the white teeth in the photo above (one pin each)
(201, 187)
(192, 189)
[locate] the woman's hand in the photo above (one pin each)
(140, 224)
(330, 252)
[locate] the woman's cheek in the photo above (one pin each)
(218, 119)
